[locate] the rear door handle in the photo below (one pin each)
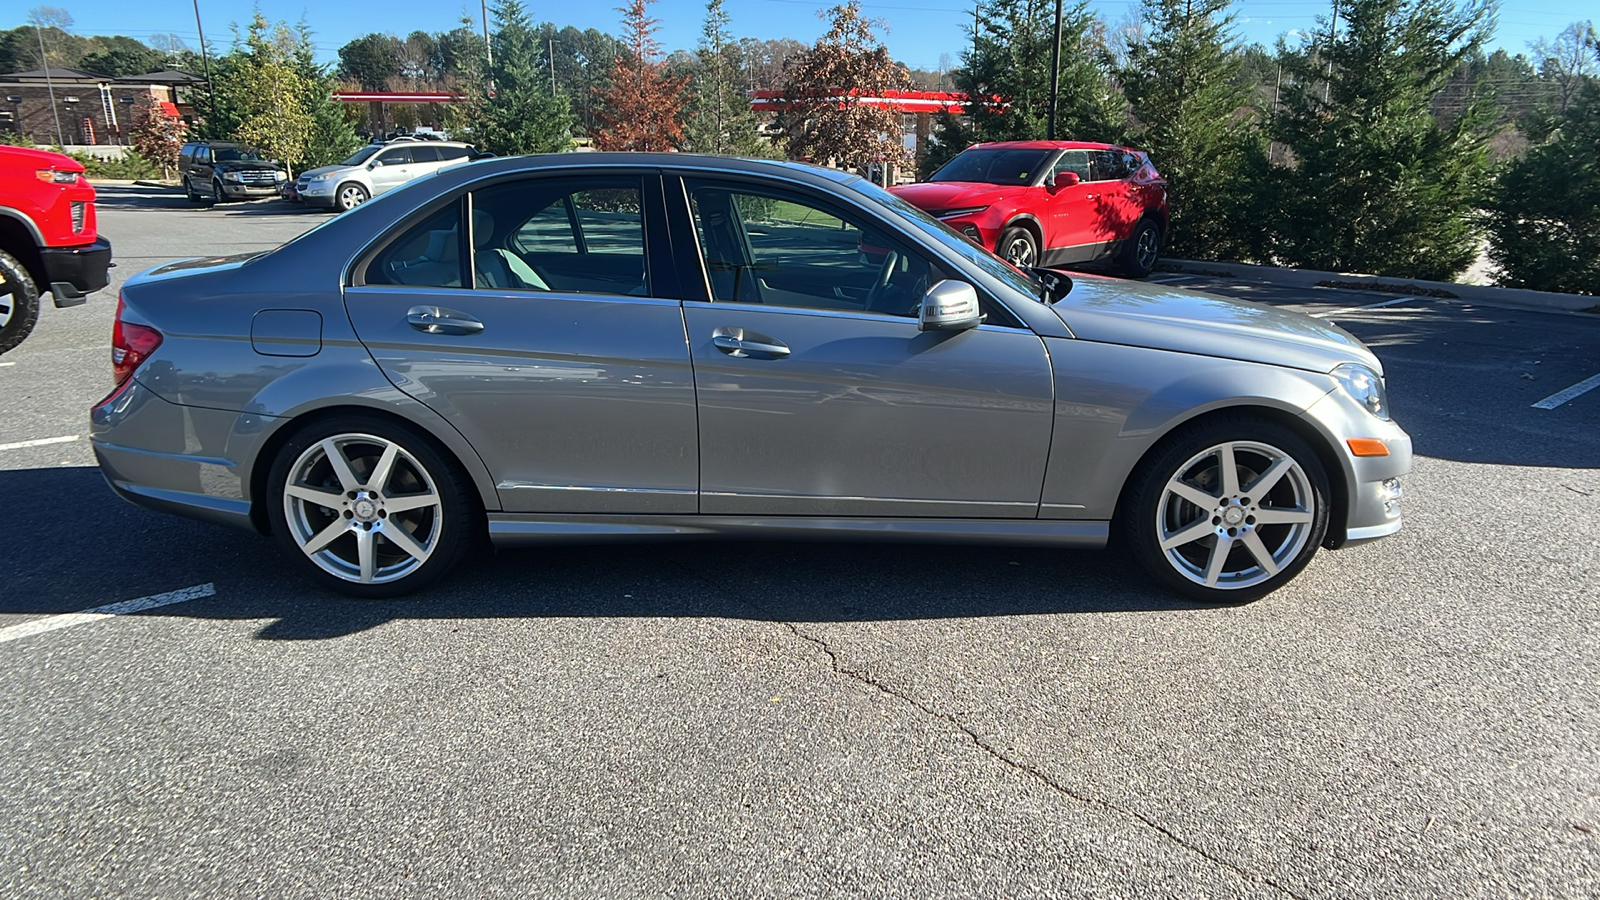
(438, 320)
(748, 344)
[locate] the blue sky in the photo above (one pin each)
(918, 30)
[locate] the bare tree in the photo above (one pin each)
(826, 89)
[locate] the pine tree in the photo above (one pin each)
(721, 120)
(823, 90)
(1191, 113)
(268, 94)
(1006, 77)
(333, 135)
(518, 114)
(1544, 209)
(643, 107)
(1375, 182)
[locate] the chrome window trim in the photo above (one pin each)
(425, 290)
(774, 309)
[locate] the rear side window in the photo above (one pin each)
(429, 254)
(448, 153)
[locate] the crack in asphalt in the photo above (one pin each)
(1036, 774)
(978, 741)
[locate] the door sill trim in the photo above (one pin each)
(510, 529)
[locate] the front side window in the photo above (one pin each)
(1074, 161)
(395, 156)
(784, 250)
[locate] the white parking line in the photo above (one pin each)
(1350, 309)
(1571, 393)
(41, 442)
(67, 620)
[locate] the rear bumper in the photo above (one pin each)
(72, 272)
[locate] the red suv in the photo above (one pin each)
(47, 238)
(1052, 203)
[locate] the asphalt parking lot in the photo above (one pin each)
(1419, 717)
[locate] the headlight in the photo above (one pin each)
(963, 211)
(281, 175)
(231, 176)
(1366, 386)
(323, 177)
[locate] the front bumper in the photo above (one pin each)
(72, 272)
(1374, 493)
(318, 193)
(249, 190)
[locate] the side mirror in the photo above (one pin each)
(374, 164)
(949, 306)
(1066, 180)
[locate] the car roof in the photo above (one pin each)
(1048, 145)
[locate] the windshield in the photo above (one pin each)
(1009, 167)
(236, 154)
(992, 265)
(362, 155)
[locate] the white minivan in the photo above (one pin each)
(374, 169)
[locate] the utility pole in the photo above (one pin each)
(1055, 75)
(48, 83)
(552, 67)
(488, 46)
(1333, 23)
(205, 58)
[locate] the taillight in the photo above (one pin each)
(131, 344)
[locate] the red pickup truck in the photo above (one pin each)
(47, 238)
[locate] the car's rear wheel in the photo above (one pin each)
(19, 302)
(369, 507)
(1226, 511)
(1018, 247)
(218, 195)
(351, 196)
(1142, 251)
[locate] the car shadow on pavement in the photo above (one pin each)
(172, 199)
(52, 568)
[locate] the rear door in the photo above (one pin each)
(577, 392)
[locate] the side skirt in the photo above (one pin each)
(512, 530)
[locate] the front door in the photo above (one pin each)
(818, 395)
(539, 337)
(394, 168)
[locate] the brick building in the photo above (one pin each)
(93, 109)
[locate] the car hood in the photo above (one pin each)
(1111, 311)
(323, 170)
(245, 166)
(952, 194)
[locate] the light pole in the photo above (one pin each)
(49, 84)
(1055, 75)
(205, 57)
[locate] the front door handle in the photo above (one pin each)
(748, 344)
(438, 320)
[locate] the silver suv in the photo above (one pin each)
(374, 169)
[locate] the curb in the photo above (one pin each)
(1514, 298)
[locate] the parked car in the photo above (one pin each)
(218, 171)
(48, 238)
(374, 169)
(633, 346)
(1059, 203)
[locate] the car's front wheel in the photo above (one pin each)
(193, 195)
(351, 196)
(1018, 247)
(1227, 510)
(369, 507)
(19, 302)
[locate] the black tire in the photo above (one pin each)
(193, 195)
(1296, 502)
(1141, 251)
(443, 519)
(1018, 246)
(19, 302)
(349, 196)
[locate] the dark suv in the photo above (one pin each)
(216, 171)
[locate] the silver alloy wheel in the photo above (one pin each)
(1148, 248)
(1019, 251)
(363, 508)
(8, 299)
(351, 196)
(1235, 514)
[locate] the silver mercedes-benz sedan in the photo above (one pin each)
(595, 347)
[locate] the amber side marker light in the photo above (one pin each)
(1367, 447)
